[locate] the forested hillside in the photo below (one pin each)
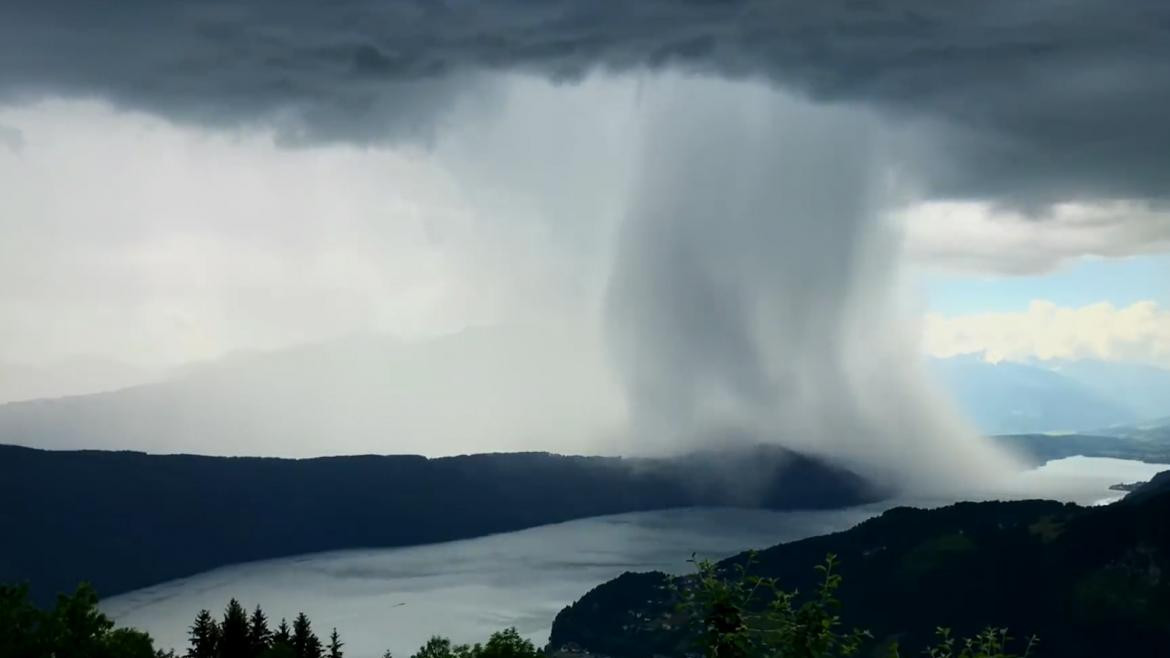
(1090, 582)
(123, 520)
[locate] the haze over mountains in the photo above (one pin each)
(72, 376)
(526, 387)
(1054, 396)
(520, 388)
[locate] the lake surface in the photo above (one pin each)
(394, 599)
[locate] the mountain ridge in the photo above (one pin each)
(124, 520)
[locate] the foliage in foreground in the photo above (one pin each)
(503, 644)
(73, 628)
(740, 615)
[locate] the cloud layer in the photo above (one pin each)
(732, 229)
(130, 237)
(983, 238)
(1139, 332)
(1029, 103)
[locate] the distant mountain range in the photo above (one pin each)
(74, 376)
(1052, 410)
(124, 520)
(1090, 582)
(1054, 396)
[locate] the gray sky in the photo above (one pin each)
(709, 191)
(1035, 103)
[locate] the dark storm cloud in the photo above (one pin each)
(1036, 101)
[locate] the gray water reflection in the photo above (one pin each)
(396, 598)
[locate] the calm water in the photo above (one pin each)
(396, 598)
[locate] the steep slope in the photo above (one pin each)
(123, 520)
(1089, 582)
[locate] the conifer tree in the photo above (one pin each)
(204, 636)
(259, 637)
(234, 640)
(305, 642)
(283, 635)
(335, 645)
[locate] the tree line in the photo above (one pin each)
(240, 635)
(74, 627)
(730, 615)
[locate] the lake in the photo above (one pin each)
(394, 599)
